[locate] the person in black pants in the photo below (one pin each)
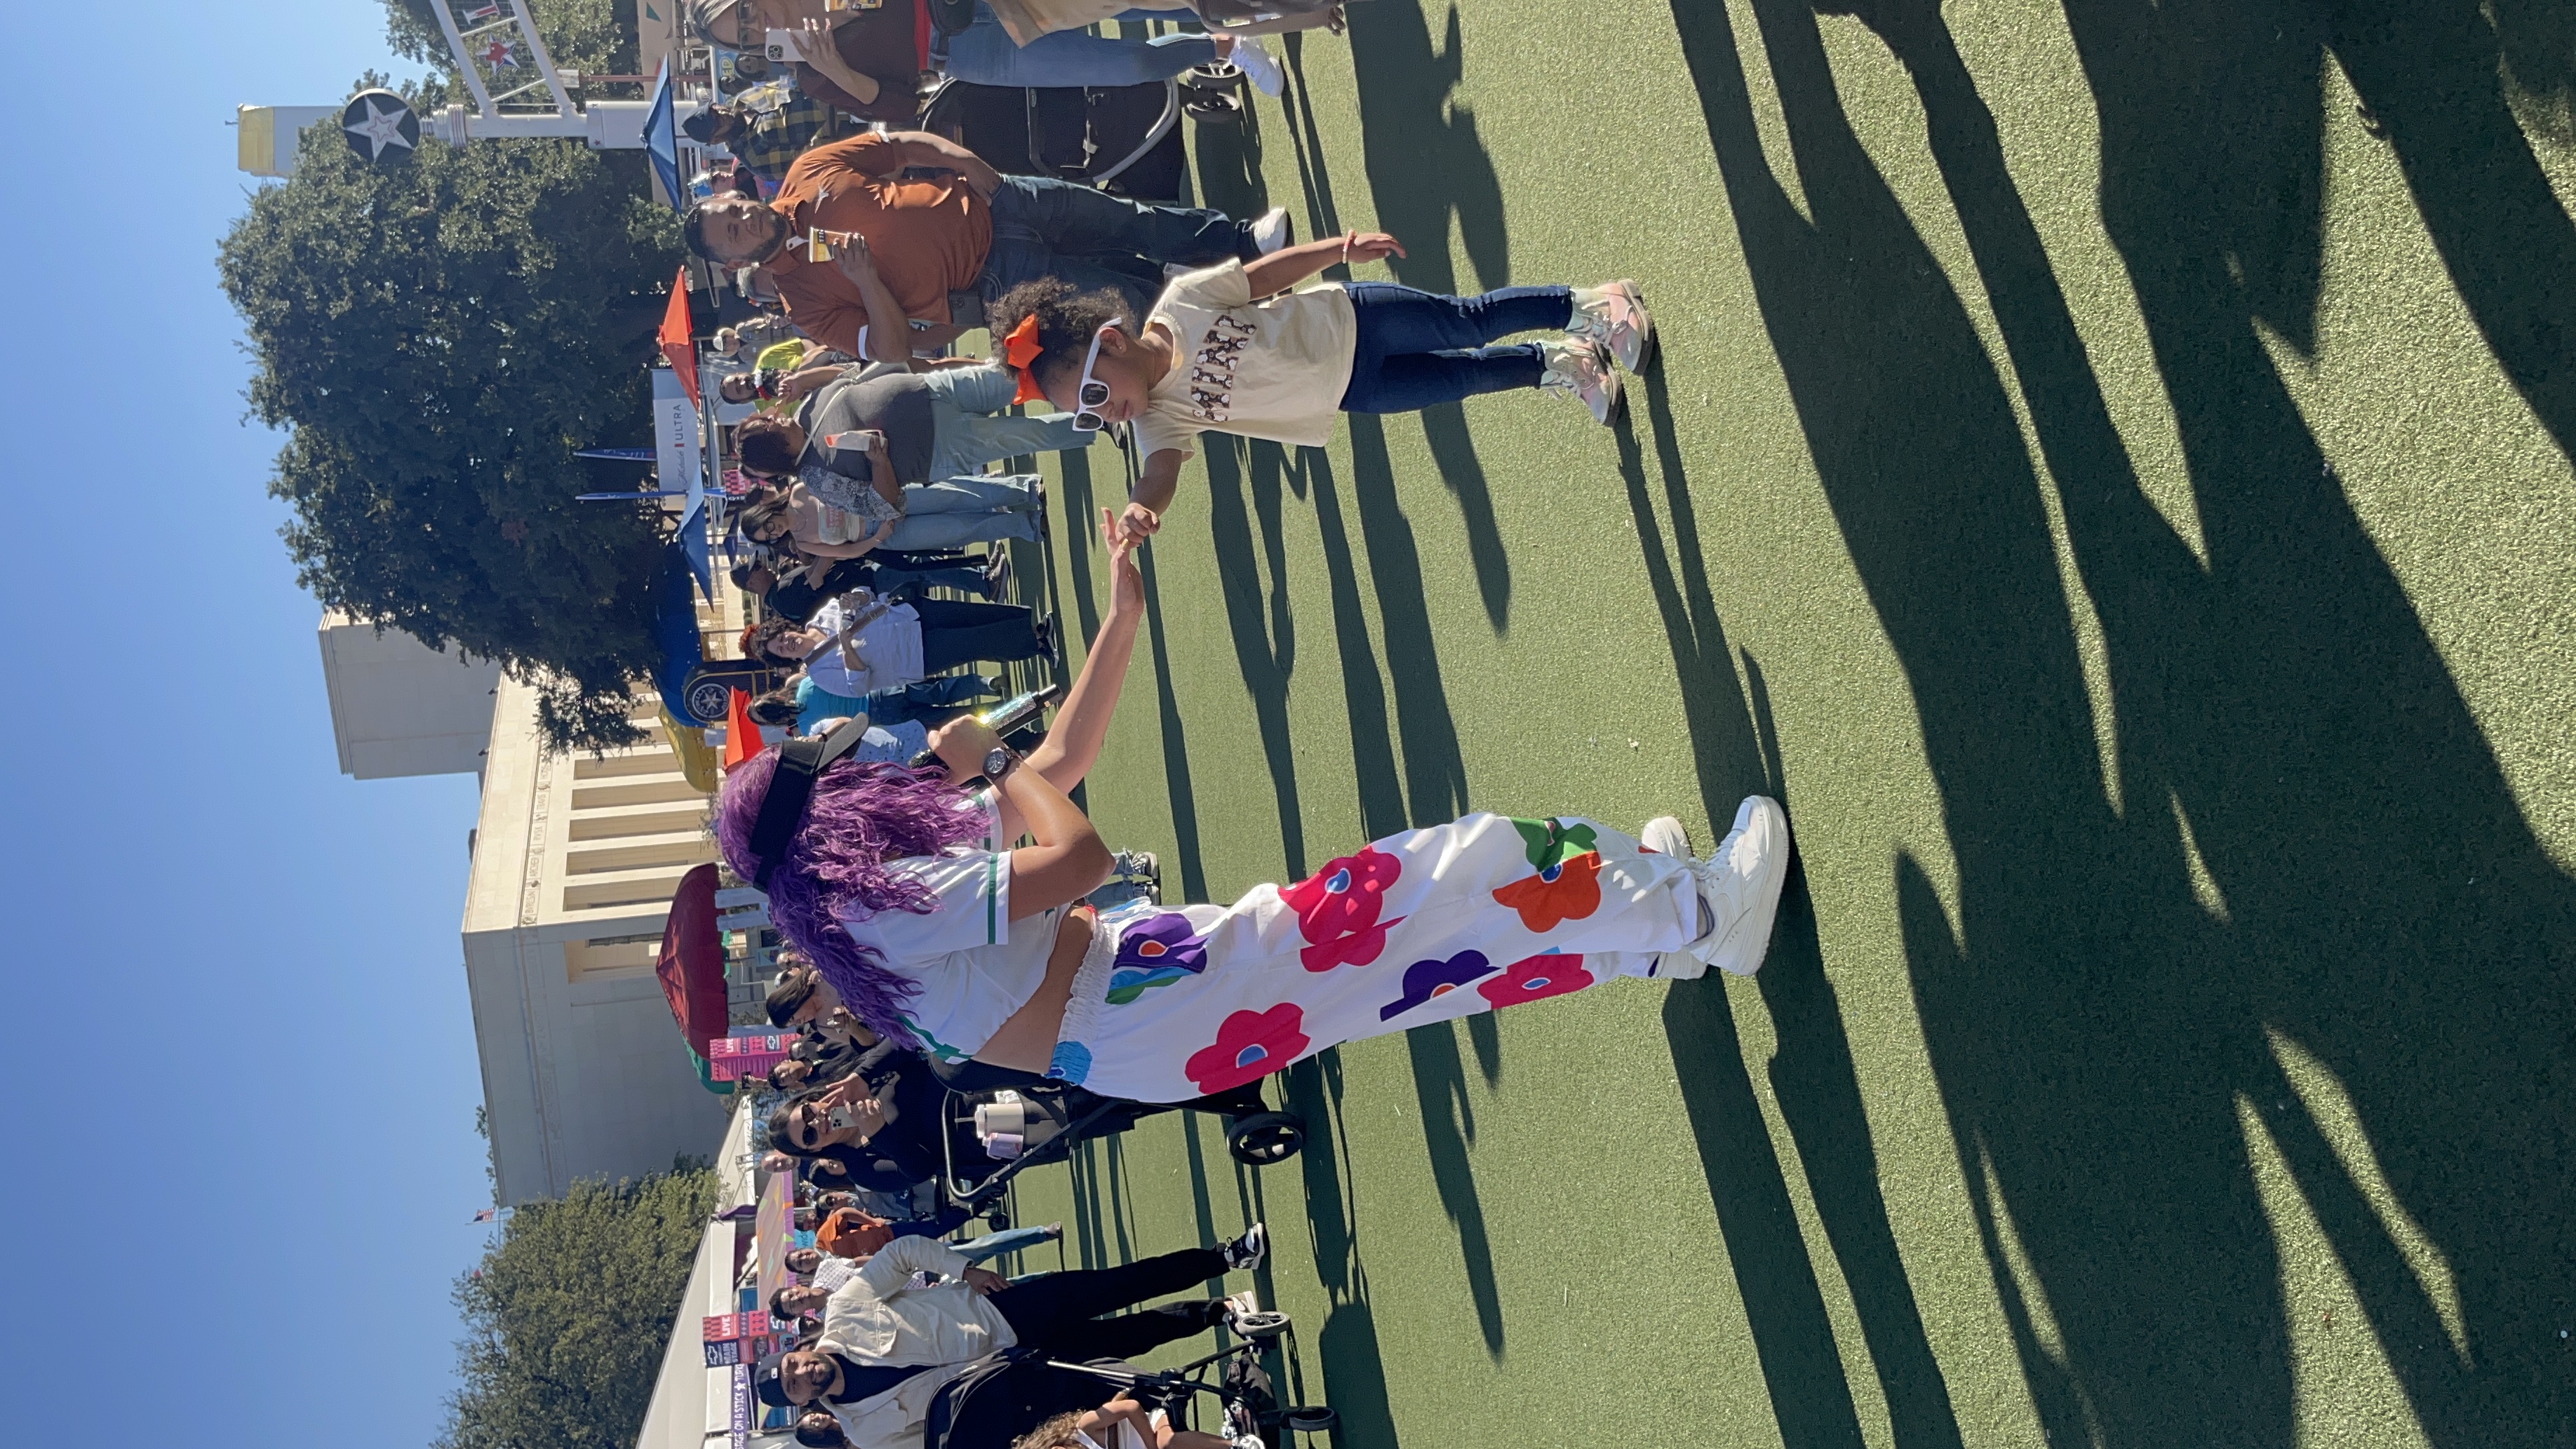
(1060, 1314)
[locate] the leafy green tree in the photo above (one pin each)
(440, 336)
(582, 35)
(568, 1315)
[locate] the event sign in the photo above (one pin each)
(732, 1057)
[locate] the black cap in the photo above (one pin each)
(766, 1384)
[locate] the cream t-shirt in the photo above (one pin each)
(1275, 369)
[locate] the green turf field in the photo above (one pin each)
(2109, 474)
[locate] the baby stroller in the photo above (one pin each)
(1125, 139)
(1014, 1391)
(1033, 1120)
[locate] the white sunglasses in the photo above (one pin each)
(1091, 392)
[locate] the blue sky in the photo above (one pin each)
(240, 1127)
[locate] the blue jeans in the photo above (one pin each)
(985, 54)
(1420, 349)
(1043, 227)
(956, 511)
(969, 426)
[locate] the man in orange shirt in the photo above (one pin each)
(968, 228)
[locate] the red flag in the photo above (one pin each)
(742, 737)
(677, 343)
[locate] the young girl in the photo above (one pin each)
(905, 892)
(1229, 349)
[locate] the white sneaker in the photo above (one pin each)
(1270, 230)
(1245, 1253)
(1581, 369)
(1742, 883)
(1614, 315)
(1664, 835)
(1258, 67)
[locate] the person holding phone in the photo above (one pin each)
(841, 493)
(938, 219)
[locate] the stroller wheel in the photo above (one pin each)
(999, 1220)
(1258, 1326)
(1314, 1420)
(1265, 1138)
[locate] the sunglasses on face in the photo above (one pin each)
(1091, 393)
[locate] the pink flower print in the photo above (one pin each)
(1249, 1046)
(1537, 978)
(1337, 909)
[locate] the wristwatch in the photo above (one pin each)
(998, 762)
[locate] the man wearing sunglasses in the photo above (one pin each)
(937, 219)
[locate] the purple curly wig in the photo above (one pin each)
(861, 816)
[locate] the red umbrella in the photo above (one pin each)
(691, 963)
(677, 342)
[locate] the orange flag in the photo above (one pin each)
(677, 343)
(742, 737)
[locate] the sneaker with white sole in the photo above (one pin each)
(1664, 835)
(1741, 885)
(1258, 66)
(1581, 369)
(1614, 315)
(1245, 1253)
(1270, 230)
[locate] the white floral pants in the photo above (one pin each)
(1430, 925)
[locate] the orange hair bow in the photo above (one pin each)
(1021, 350)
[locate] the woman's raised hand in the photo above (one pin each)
(961, 745)
(1126, 581)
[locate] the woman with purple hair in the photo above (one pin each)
(904, 890)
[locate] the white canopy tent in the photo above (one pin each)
(692, 1404)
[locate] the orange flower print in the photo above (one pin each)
(1566, 891)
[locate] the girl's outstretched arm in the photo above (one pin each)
(1288, 266)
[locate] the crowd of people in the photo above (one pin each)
(964, 923)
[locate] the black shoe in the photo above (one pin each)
(1050, 648)
(997, 574)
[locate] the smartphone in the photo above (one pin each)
(786, 45)
(850, 453)
(1005, 717)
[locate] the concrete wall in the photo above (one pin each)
(575, 860)
(399, 707)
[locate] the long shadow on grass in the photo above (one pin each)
(1428, 172)
(1176, 749)
(1244, 485)
(1735, 748)
(2296, 890)
(2433, 78)
(1354, 1362)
